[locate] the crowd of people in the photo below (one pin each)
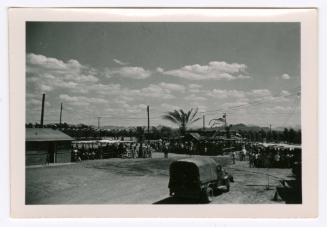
(123, 149)
(210, 148)
(273, 156)
(257, 154)
(91, 151)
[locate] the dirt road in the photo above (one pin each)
(134, 181)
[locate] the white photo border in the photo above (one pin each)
(309, 111)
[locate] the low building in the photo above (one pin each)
(45, 145)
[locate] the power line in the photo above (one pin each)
(262, 100)
(256, 102)
(291, 114)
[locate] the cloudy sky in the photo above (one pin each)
(251, 71)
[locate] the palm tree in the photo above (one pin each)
(181, 118)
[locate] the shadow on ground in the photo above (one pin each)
(174, 200)
(179, 200)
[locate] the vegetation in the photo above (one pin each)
(287, 135)
(251, 133)
(182, 119)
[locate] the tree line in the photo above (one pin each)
(183, 120)
(82, 131)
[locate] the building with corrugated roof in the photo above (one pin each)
(46, 145)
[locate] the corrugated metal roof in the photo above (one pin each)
(46, 134)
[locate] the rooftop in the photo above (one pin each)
(46, 134)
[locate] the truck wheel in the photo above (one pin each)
(227, 185)
(207, 195)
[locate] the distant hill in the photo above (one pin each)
(296, 127)
(249, 127)
(244, 127)
(254, 128)
(235, 127)
(113, 127)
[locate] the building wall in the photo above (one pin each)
(63, 152)
(38, 153)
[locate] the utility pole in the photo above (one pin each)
(270, 135)
(42, 110)
(60, 115)
(225, 118)
(148, 114)
(204, 121)
(99, 118)
(226, 126)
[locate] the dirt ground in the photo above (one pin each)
(137, 181)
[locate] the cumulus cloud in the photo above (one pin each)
(233, 104)
(201, 108)
(132, 72)
(68, 98)
(259, 92)
(81, 78)
(123, 108)
(117, 92)
(255, 95)
(36, 102)
(172, 86)
(82, 85)
(156, 91)
(222, 94)
(81, 100)
(284, 93)
(45, 74)
(278, 109)
(162, 90)
(119, 62)
(194, 86)
(41, 61)
(104, 89)
(137, 108)
(160, 70)
(194, 97)
(285, 76)
(264, 95)
(215, 70)
(85, 89)
(40, 65)
(241, 76)
(169, 107)
(45, 88)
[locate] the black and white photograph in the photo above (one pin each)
(163, 113)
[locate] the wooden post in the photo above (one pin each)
(148, 114)
(42, 110)
(60, 114)
(204, 121)
(99, 118)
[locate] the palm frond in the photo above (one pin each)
(194, 114)
(181, 118)
(188, 114)
(195, 120)
(170, 118)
